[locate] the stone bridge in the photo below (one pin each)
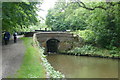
(58, 41)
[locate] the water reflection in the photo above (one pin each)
(84, 67)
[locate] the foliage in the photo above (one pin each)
(94, 51)
(59, 19)
(86, 49)
(87, 35)
(18, 15)
(31, 66)
(104, 24)
(102, 18)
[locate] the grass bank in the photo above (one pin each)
(51, 72)
(90, 49)
(31, 66)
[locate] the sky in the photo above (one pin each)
(47, 4)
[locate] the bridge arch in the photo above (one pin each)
(52, 45)
(62, 41)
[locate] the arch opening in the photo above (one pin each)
(52, 45)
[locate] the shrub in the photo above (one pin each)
(87, 35)
(86, 49)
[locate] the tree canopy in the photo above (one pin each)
(18, 15)
(103, 18)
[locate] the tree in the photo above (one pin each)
(105, 24)
(60, 18)
(18, 15)
(102, 18)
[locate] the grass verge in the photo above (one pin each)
(31, 66)
(51, 72)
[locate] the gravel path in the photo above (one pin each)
(12, 56)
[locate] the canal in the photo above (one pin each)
(84, 67)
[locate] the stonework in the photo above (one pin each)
(67, 41)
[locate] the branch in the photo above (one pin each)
(81, 4)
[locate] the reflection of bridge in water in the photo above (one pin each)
(57, 41)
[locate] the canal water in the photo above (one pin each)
(84, 67)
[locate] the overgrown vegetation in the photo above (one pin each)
(31, 66)
(96, 22)
(101, 18)
(87, 35)
(90, 47)
(89, 50)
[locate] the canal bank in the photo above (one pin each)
(50, 71)
(91, 47)
(86, 67)
(91, 51)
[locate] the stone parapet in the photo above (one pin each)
(67, 41)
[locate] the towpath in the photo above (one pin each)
(12, 56)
